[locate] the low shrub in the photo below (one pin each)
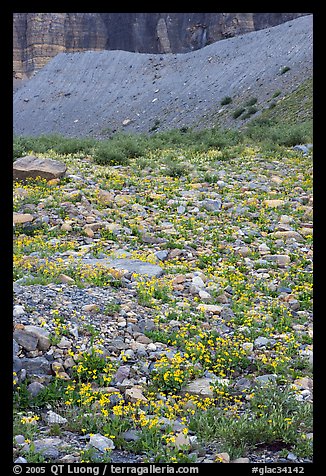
(285, 69)
(226, 100)
(252, 110)
(251, 102)
(291, 135)
(271, 131)
(273, 418)
(110, 154)
(237, 113)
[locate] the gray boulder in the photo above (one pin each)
(32, 167)
(200, 387)
(48, 447)
(304, 148)
(36, 366)
(34, 388)
(25, 339)
(101, 442)
(131, 265)
(212, 205)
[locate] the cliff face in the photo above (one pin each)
(37, 37)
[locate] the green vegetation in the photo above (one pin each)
(245, 111)
(237, 113)
(250, 102)
(276, 94)
(285, 69)
(270, 133)
(23, 145)
(252, 110)
(155, 125)
(294, 109)
(274, 418)
(112, 308)
(226, 100)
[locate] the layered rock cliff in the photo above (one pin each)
(37, 37)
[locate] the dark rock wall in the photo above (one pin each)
(37, 37)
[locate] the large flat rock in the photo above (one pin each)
(32, 167)
(20, 218)
(132, 265)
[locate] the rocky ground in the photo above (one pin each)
(97, 93)
(163, 316)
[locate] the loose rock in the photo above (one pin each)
(20, 218)
(200, 387)
(102, 443)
